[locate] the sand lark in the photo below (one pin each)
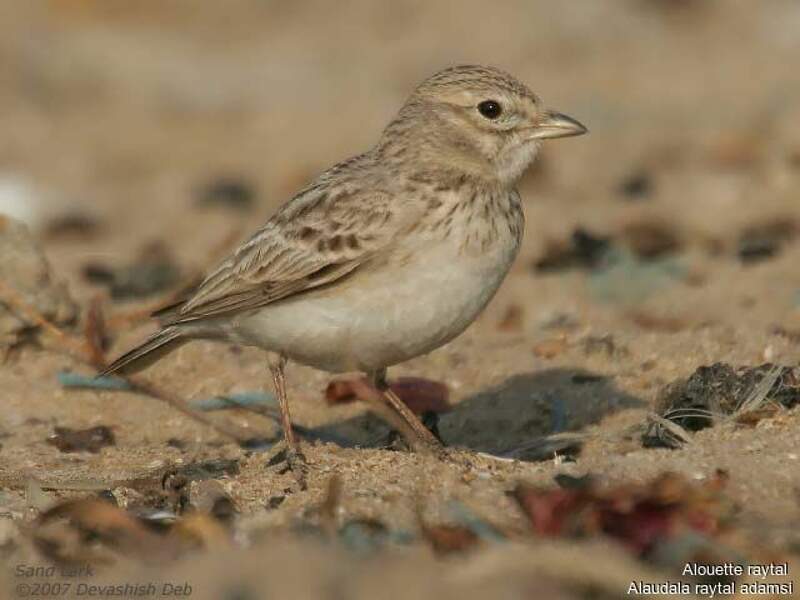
(387, 255)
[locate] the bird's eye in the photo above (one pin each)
(490, 109)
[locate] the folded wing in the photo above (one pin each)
(315, 239)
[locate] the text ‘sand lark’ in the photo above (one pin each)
(387, 255)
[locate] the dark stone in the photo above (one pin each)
(227, 192)
(637, 186)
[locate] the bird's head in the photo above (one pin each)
(480, 120)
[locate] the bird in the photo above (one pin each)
(385, 256)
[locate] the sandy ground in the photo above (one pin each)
(120, 112)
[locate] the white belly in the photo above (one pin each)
(379, 317)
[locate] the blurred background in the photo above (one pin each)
(141, 140)
(127, 110)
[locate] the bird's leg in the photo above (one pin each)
(276, 367)
(413, 430)
(294, 457)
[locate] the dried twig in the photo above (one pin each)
(330, 504)
(82, 352)
(95, 333)
(759, 393)
(664, 432)
(16, 303)
(180, 405)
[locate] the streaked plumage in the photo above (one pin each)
(387, 255)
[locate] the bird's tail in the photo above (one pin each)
(144, 355)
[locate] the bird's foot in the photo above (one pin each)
(290, 458)
(431, 446)
(425, 441)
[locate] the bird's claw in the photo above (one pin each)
(291, 459)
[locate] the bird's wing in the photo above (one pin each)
(315, 239)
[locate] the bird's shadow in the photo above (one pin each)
(514, 414)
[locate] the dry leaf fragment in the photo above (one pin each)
(640, 516)
(94, 521)
(97, 339)
(82, 440)
(420, 395)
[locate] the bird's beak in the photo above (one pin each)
(556, 125)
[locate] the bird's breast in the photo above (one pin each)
(406, 302)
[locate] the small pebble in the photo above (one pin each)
(637, 186)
